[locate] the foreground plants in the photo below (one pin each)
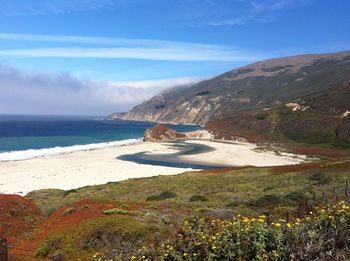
(321, 235)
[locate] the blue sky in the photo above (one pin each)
(127, 45)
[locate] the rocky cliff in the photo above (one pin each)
(262, 85)
(161, 133)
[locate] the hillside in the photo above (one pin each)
(119, 218)
(322, 117)
(261, 85)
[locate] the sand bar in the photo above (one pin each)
(99, 166)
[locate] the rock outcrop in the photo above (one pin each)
(161, 133)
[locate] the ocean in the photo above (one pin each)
(24, 137)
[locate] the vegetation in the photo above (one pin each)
(162, 196)
(69, 211)
(110, 234)
(249, 188)
(117, 211)
(197, 198)
(320, 235)
(123, 223)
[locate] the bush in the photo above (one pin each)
(69, 211)
(261, 116)
(50, 245)
(117, 211)
(67, 192)
(295, 196)
(320, 178)
(162, 196)
(197, 198)
(108, 234)
(265, 201)
(232, 204)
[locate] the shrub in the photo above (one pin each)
(69, 211)
(116, 211)
(50, 245)
(261, 116)
(232, 204)
(162, 196)
(197, 198)
(124, 206)
(265, 201)
(106, 235)
(67, 192)
(50, 211)
(295, 196)
(320, 178)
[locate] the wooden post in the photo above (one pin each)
(287, 216)
(299, 210)
(314, 197)
(346, 189)
(306, 206)
(3, 250)
(323, 196)
(57, 257)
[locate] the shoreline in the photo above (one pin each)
(102, 165)
(8, 156)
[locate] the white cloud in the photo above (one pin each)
(44, 7)
(242, 12)
(44, 93)
(160, 54)
(119, 48)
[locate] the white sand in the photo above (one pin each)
(99, 166)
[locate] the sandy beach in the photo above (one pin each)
(99, 166)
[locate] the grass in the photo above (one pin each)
(243, 186)
(123, 233)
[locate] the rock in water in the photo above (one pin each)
(161, 133)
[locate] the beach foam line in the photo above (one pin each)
(35, 153)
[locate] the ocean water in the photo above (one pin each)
(23, 137)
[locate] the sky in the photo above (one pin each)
(94, 57)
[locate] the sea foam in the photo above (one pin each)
(29, 154)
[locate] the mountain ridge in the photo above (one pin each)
(260, 85)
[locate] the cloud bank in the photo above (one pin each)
(24, 92)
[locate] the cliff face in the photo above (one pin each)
(261, 85)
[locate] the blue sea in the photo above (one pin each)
(23, 137)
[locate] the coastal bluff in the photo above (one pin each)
(162, 133)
